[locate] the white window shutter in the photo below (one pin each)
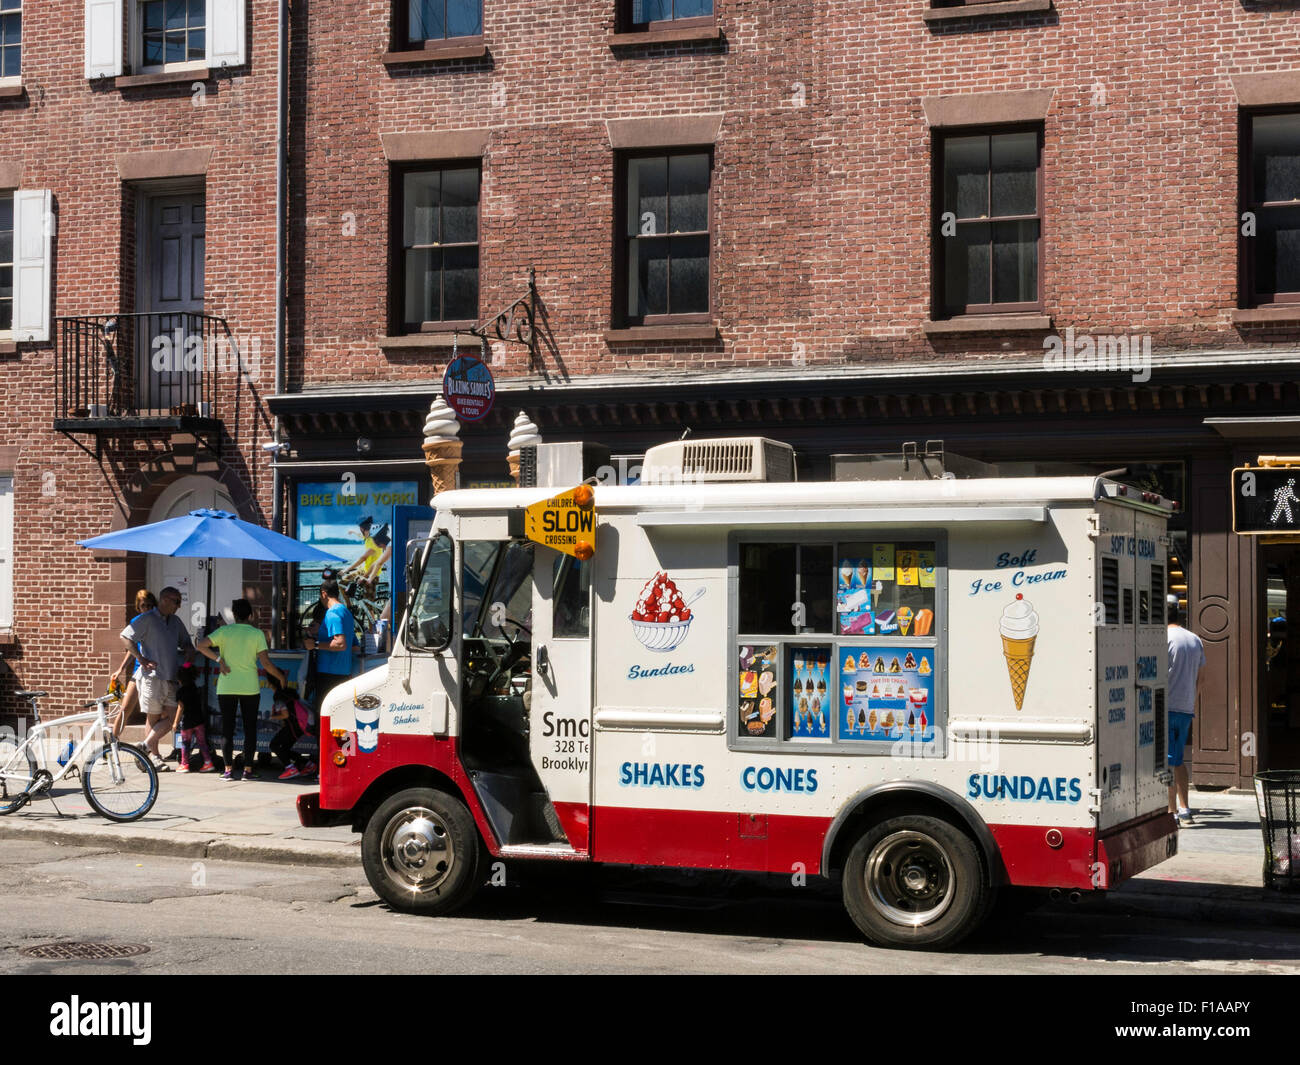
(6, 551)
(33, 238)
(226, 33)
(103, 38)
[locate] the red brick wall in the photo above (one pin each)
(822, 212)
(67, 135)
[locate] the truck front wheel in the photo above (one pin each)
(914, 882)
(421, 851)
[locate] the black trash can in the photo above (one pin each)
(1278, 795)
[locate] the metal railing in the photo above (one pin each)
(158, 364)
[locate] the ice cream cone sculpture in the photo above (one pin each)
(523, 434)
(1019, 632)
(441, 446)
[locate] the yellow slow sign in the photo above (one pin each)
(565, 522)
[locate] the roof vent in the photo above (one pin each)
(750, 458)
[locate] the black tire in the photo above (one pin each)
(421, 852)
(127, 799)
(18, 773)
(915, 882)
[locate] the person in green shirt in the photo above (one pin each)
(239, 648)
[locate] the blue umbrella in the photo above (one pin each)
(210, 534)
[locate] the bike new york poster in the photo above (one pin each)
(352, 520)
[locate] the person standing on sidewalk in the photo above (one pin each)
(144, 600)
(333, 644)
(239, 648)
(1186, 657)
(156, 639)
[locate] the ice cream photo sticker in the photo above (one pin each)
(1019, 632)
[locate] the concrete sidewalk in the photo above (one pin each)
(197, 815)
(1216, 876)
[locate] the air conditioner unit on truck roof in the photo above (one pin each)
(726, 461)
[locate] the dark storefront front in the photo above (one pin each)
(1181, 433)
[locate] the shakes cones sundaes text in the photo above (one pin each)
(1019, 632)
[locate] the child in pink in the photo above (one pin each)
(194, 729)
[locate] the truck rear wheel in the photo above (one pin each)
(915, 882)
(421, 851)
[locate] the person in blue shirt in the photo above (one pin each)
(333, 644)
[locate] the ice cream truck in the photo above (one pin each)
(928, 690)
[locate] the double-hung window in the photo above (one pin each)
(1271, 206)
(172, 32)
(421, 23)
(437, 255)
(989, 197)
(11, 39)
(666, 237)
(163, 36)
(661, 14)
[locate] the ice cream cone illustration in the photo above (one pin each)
(1019, 632)
(441, 446)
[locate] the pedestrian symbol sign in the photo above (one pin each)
(565, 522)
(1266, 500)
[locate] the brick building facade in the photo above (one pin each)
(833, 281)
(161, 183)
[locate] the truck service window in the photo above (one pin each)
(838, 644)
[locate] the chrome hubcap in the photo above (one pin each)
(417, 850)
(909, 879)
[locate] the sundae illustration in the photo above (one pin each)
(924, 667)
(662, 618)
(850, 666)
(1019, 631)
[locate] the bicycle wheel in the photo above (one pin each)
(124, 796)
(17, 766)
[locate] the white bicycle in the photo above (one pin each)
(118, 779)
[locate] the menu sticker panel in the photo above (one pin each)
(886, 693)
(812, 698)
(853, 595)
(927, 563)
(758, 690)
(882, 556)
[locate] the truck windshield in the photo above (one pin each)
(496, 572)
(429, 621)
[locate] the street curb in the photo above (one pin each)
(212, 848)
(1151, 902)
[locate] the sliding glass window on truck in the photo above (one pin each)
(839, 642)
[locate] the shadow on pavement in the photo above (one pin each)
(768, 908)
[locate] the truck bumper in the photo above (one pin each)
(1129, 849)
(310, 814)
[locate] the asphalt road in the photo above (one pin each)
(245, 918)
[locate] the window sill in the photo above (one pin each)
(162, 77)
(8, 347)
(673, 36)
(1263, 316)
(638, 334)
(1004, 7)
(456, 48)
(8, 638)
(11, 92)
(990, 323)
(418, 341)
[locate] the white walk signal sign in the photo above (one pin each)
(566, 522)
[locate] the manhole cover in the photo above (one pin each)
(83, 951)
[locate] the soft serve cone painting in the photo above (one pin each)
(1019, 631)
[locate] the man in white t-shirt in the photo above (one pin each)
(1186, 657)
